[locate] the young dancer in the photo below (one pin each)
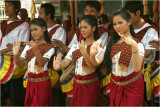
(86, 88)
(37, 53)
(56, 32)
(124, 58)
(145, 32)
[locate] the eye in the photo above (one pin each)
(120, 22)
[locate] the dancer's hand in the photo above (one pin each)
(57, 62)
(31, 43)
(16, 48)
(95, 47)
(128, 40)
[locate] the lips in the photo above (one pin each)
(83, 34)
(6, 11)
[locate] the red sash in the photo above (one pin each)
(141, 34)
(43, 48)
(9, 27)
(3, 31)
(52, 31)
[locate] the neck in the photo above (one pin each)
(13, 18)
(50, 23)
(139, 24)
(89, 40)
(40, 41)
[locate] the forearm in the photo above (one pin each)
(88, 60)
(65, 48)
(5, 51)
(94, 60)
(41, 60)
(17, 60)
(63, 64)
(137, 59)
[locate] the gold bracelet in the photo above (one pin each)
(135, 51)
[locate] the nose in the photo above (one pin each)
(117, 26)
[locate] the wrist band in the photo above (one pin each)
(135, 51)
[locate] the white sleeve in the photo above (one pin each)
(141, 49)
(151, 34)
(24, 32)
(104, 38)
(74, 41)
(24, 53)
(49, 53)
(60, 34)
(69, 54)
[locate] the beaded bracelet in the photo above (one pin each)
(135, 51)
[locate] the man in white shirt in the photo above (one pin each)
(56, 32)
(145, 33)
(12, 30)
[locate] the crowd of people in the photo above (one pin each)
(116, 59)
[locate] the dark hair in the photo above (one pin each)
(105, 17)
(107, 60)
(41, 23)
(69, 16)
(16, 3)
(92, 21)
(147, 19)
(49, 9)
(133, 7)
(96, 4)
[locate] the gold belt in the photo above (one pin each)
(126, 82)
(38, 79)
(86, 81)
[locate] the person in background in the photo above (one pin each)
(12, 30)
(24, 15)
(155, 84)
(145, 32)
(56, 32)
(104, 21)
(67, 26)
(68, 18)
